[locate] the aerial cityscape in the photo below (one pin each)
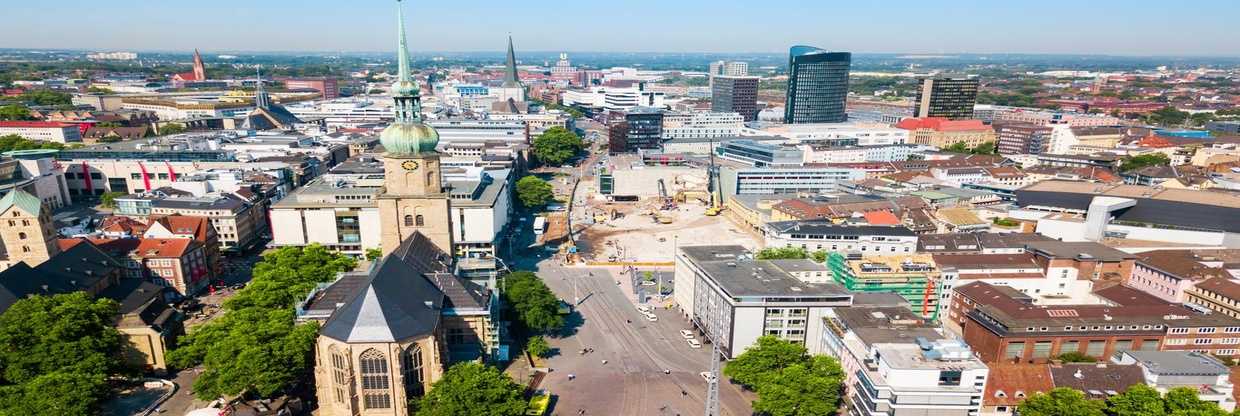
(674, 221)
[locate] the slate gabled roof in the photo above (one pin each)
(398, 301)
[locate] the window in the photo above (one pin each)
(1014, 350)
(949, 378)
(1229, 341)
(1095, 348)
(1149, 345)
(411, 364)
(340, 376)
(1202, 341)
(1205, 330)
(21, 236)
(1042, 349)
(1178, 331)
(1176, 341)
(1069, 346)
(375, 383)
(1232, 330)
(408, 220)
(418, 221)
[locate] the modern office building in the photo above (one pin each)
(700, 125)
(817, 85)
(642, 128)
(729, 68)
(480, 131)
(733, 299)
(759, 154)
(951, 97)
(1020, 138)
(815, 235)
(731, 94)
(784, 180)
(326, 87)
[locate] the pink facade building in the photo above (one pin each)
(1168, 274)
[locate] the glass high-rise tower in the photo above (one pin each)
(817, 85)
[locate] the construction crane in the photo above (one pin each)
(712, 185)
(712, 385)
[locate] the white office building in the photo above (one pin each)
(701, 125)
(734, 299)
(814, 235)
(454, 131)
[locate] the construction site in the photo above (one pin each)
(648, 212)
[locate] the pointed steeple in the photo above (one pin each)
(407, 134)
(200, 70)
(510, 68)
(261, 100)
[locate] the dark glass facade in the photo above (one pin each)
(735, 95)
(642, 128)
(817, 85)
(949, 97)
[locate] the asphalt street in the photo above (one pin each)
(638, 352)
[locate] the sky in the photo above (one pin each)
(1112, 27)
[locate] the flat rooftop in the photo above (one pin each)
(734, 269)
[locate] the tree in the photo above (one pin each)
(537, 346)
(373, 254)
(819, 256)
(108, 199)
(1183, 401)
(1061, 401)
(1075, 357)
(803, 389)
(1141, 161)
(256, 345)
(1138, 400)
(56, 353)
(556, 146)
(987, 148)
(469, 389)
(15, 112)
(171, 128)
(535, 305)
(773, 253)
(763, 361)
(1167, 116)
(14, 142)
(957, 147)
(534, 193)
(47, 97)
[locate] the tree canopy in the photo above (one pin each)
(1141, 161)
(772, 253)
(56, 354)
(987, 148)
(15, 112)
(788, 381)
(536, 307)
(1061, 401)
(556, 146)
(472, 389)
(1167, 116)
(256, 345)
(14, 142)
(534, 193)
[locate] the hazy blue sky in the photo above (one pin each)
(1133, 27)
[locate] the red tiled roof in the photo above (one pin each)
(1155, 142)
(185, 224)
(1005, 380)
(881, 218)
(941, 124)
(35, 124)
(163, 247)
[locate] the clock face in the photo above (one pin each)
(409, 165)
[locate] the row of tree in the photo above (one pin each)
(789, 381)
(11, 142)
(777, 253)
(987, 148)
(256, 346)
(1138, 400)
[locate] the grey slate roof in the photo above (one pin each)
(403, 297)
(1179, 363)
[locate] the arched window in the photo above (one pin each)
(21, 236)
(418, 220)
(340, 375)
(25, 249)
(408, 220)
(376, 386)
(411, 364)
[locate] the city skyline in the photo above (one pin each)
(279, 26)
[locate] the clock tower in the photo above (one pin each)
(413, 198)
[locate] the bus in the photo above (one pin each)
(540, 225)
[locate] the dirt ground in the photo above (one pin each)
(637, 236)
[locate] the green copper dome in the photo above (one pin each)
(409, 138)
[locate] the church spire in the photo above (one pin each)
(407, 134)
(402, 50)
(261, 100)
(510, 68)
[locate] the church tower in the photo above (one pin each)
(413, 198)
(200, 70)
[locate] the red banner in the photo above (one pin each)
(146, 179)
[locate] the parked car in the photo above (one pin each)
(686, 334)
(694, 343)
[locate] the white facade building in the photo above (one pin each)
(701, 125)
(817, 235)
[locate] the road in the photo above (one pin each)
(637, 354)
